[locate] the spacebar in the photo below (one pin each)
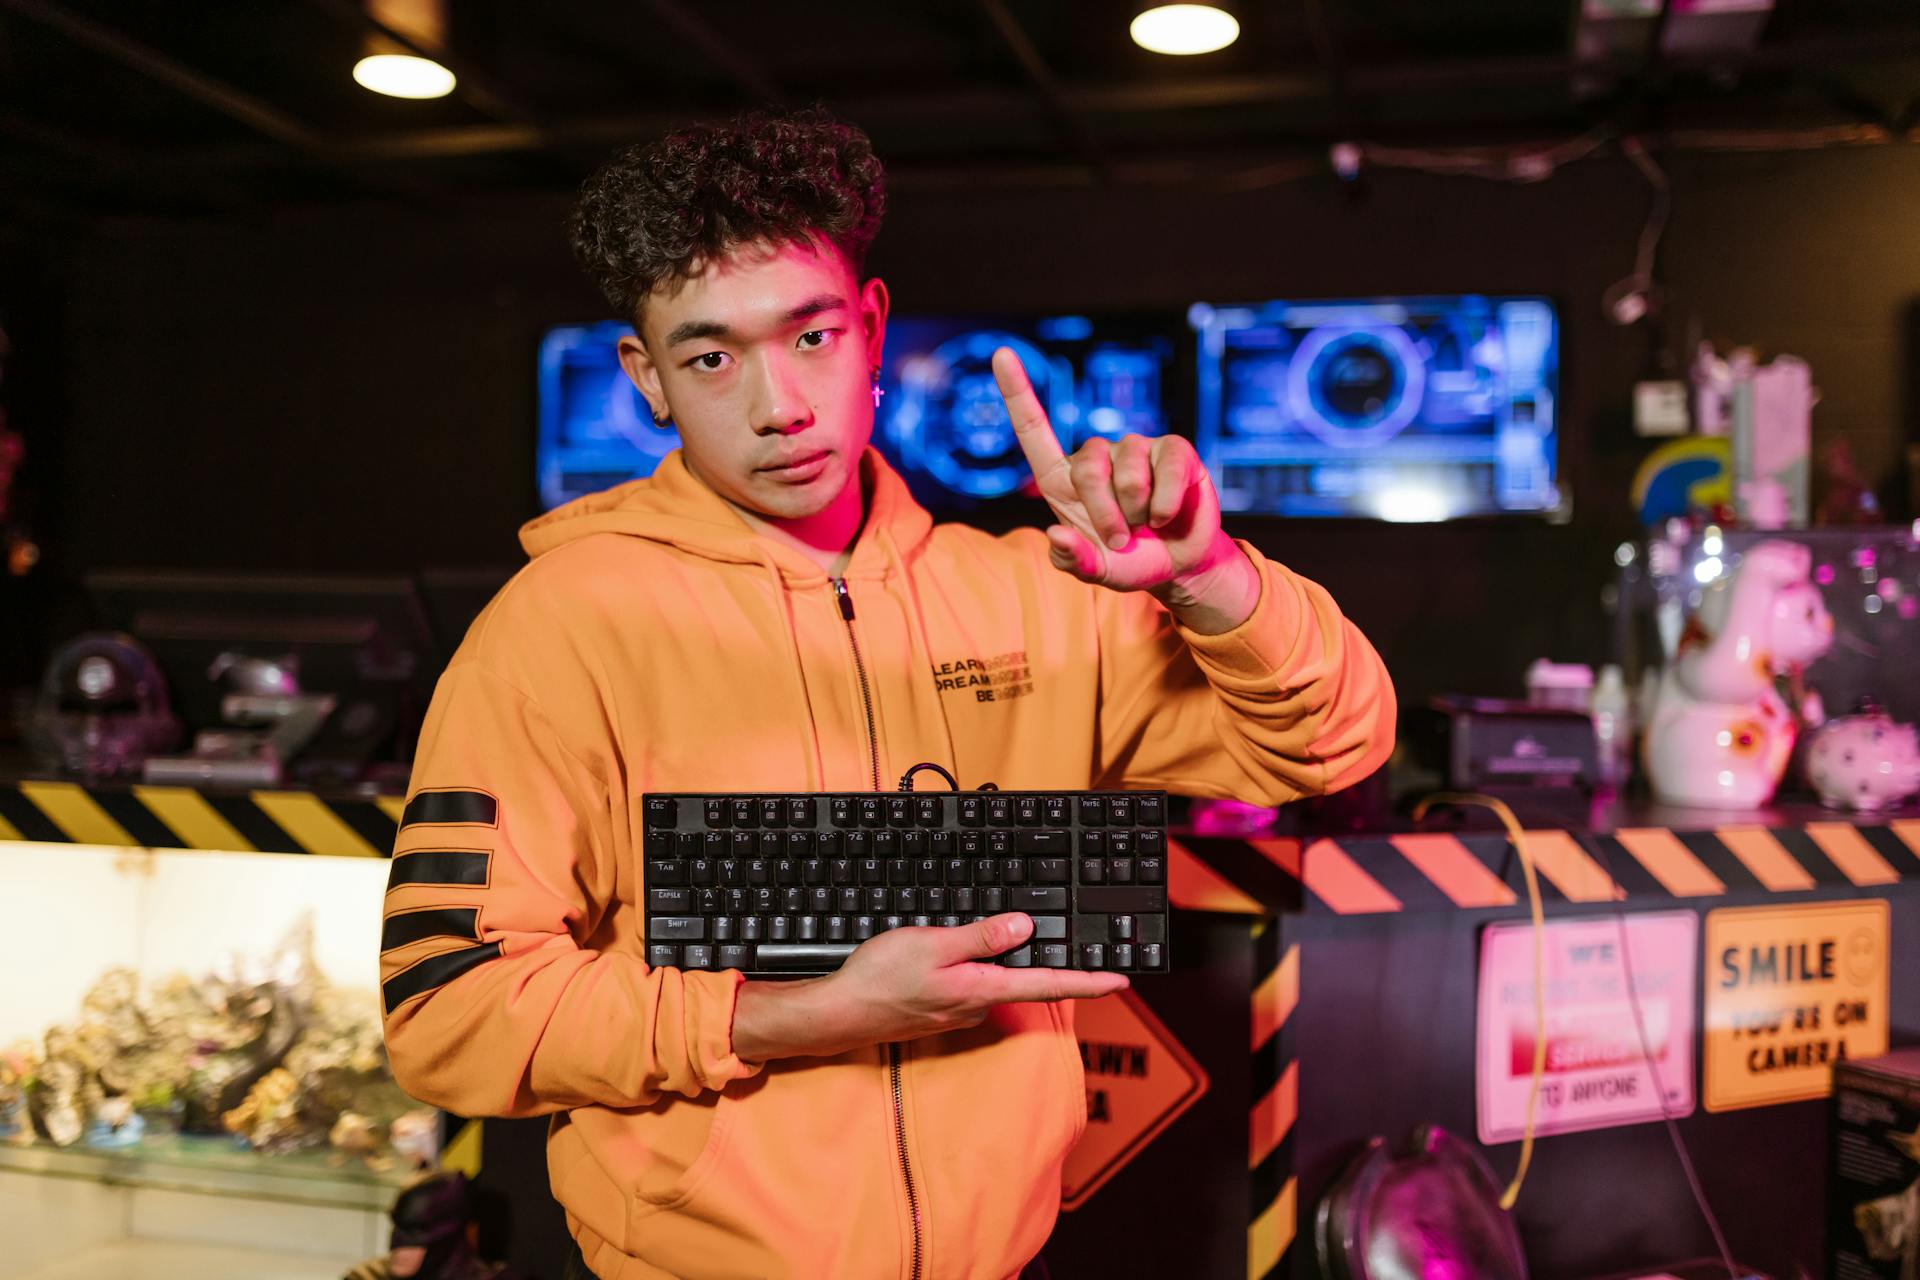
(801, 955)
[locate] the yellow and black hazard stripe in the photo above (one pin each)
(1275, 1096)
(264, 821)
(1427, 871)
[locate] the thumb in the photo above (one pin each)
(1073, 552)
(984, 939)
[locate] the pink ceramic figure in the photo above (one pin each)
(1721, 734)
(1865, 762)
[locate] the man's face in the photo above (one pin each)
(765, 360)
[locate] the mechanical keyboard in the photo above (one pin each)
(787, 884)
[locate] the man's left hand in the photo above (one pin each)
(1135, 514)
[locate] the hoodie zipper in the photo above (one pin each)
(893, 1050)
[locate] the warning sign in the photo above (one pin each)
(1139, 1079)
(1789, 992)
(1613, 1056)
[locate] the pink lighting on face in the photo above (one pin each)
(1824, 575)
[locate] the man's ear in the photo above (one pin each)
(873, 313)
(645, 375)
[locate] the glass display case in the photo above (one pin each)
(192, 1078)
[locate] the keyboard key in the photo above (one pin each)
(849, 901)
(873, 871)
(813, 871)
(732, 871)
(1150, 870)
(1058, 812)
(664, 957)
(993, 901)
(1119, 870)
(926, 810)
(985, 871)
(843, 871)
(1119, 844)
(973, 811)
(724, 929)
(763, 899)
(1093, 844)
(1000, 844)
(669, 902)
(803, 957)
(955, 870)
(1049, 870)
(973, 844)
(928, 871)
(792, 899)
(934, 899)
(820, 900)
(780, 929)
(963, 901)
(1049, 928)
(1018, 958)
(706, 902)
(941, 844)
(1036, 900)
(840, 811)
(746, 813)
(666, 873)
(696, 956)
(676, 929)
(949, 922)
(906, 901)
(662, 811)
(899, 811)
(702, 871)
(1120, 928)
(718, 814)
(1013, 871)
(737, 904)
(786, 871)
(1120, 811)
(863, 928)
(753, 929)
(808, 927)
(1150, 842)
(1093, 956)
(999, 811)
(913, 844)
(716, 844)
(662, 844)
(899, 871)
(1093, 871)
(799, 844)
(829, 844)
(1027, 811)
(759, 871)
(1092, 812)
(886, 844)
(859, 844)
(1054, 844)
(1053, 955)
(1151, 957)
(923, 922)
(773, 813)
(800, 812)
(872, 812)
(744, 844)
(889, 923)
(772, 845)
(736, 956)
(1122, 955)
(876, 899)
(837, 927)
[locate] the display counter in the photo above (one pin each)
(193, 1075)
(1328, 988)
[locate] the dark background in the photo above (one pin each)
(351, 388)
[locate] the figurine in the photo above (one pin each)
(1864, 762)
(1721, 734)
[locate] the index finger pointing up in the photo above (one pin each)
(1030, 424)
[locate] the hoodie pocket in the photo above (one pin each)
(679, 1190)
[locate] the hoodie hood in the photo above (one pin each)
(673, 506)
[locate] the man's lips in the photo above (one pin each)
(798, 460)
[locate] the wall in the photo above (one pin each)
(353, 389)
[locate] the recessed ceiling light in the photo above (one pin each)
(401, 75)
(1185, 29)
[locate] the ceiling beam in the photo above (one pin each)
(718, 50)
(235, 104)
(1071, 122)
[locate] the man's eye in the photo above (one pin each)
(711, 360)
(815, 338)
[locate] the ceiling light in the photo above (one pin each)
(1184, 29)
(401, 75)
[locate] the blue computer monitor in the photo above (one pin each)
(941, 422)
(1409, 409)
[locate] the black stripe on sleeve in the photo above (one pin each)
(437, 922)
(441, 808)
(435, 972)
(439, 866)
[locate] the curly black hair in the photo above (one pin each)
(657, 213)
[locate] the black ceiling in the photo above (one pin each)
(121, 106)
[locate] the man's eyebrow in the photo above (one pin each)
(694, 329)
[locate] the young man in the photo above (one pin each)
(769, 612)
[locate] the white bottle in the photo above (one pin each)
(1613, 725)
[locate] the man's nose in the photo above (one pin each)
(779, 402)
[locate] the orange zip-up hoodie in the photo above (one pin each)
(656, 643)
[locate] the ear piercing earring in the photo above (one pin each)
(877, 392)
